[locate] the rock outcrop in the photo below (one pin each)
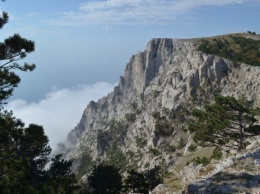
(142, 122)
(235, 174)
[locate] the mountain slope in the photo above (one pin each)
(142, 122)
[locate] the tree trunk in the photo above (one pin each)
(241, 132)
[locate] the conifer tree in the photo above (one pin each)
(24, 152)
(12, 50)
(153, 177)
(105, 179)
(136, 182)
(142, 182)
(226, 123)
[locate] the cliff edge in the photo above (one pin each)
(142, 123)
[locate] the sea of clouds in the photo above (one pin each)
(59, 110)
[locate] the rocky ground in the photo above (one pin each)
(238, 173)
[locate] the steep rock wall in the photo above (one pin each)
(144, 113)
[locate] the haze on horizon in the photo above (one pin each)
(82, 47)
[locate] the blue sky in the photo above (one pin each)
(82, 47)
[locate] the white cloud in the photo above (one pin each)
(129, 12)
(60, 110)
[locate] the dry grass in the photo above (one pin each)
(209, 168)
(182, 162)
(172, 180)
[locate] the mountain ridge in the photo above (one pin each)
(142, 122)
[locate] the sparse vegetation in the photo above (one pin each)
(217, 154)
(133, 105)
(147, 164)
(85, 165)
(165, 111)
(179, 154)
(154, 151)
(116, 157)
(103, 140)
(163, 127)
(140, 141)
(156, 115)
(235, 47)
(204, 161)
(182, 143)
(156, 93)
(253, 33)
(130, 153)
(130, 117)
(192, 148)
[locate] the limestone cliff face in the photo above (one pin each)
(143, 119)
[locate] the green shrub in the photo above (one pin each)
(140, 141)
(130, 153)
(181, 143)
(217, 154)
(179, 154)
(103, 139)
(155, 93)
(116, 158)
(156, 115)
(192, 148)
(147, 165)
(130, 117)
(238, 48)
(163, 128)
(204, 161)
(165, 111)
(85, 164)
(154, 151)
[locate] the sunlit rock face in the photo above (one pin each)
(144, 118)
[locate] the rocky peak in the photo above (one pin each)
(142, 122)
(144, 66)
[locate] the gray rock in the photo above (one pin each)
(161, 80)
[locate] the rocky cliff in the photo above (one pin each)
(142, 122)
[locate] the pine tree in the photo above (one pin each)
(142, 182)
(59, 178)
(225, 123)
(12, 50)
(153, 177)
(105, 179)
(136, 182)
(24, 152)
